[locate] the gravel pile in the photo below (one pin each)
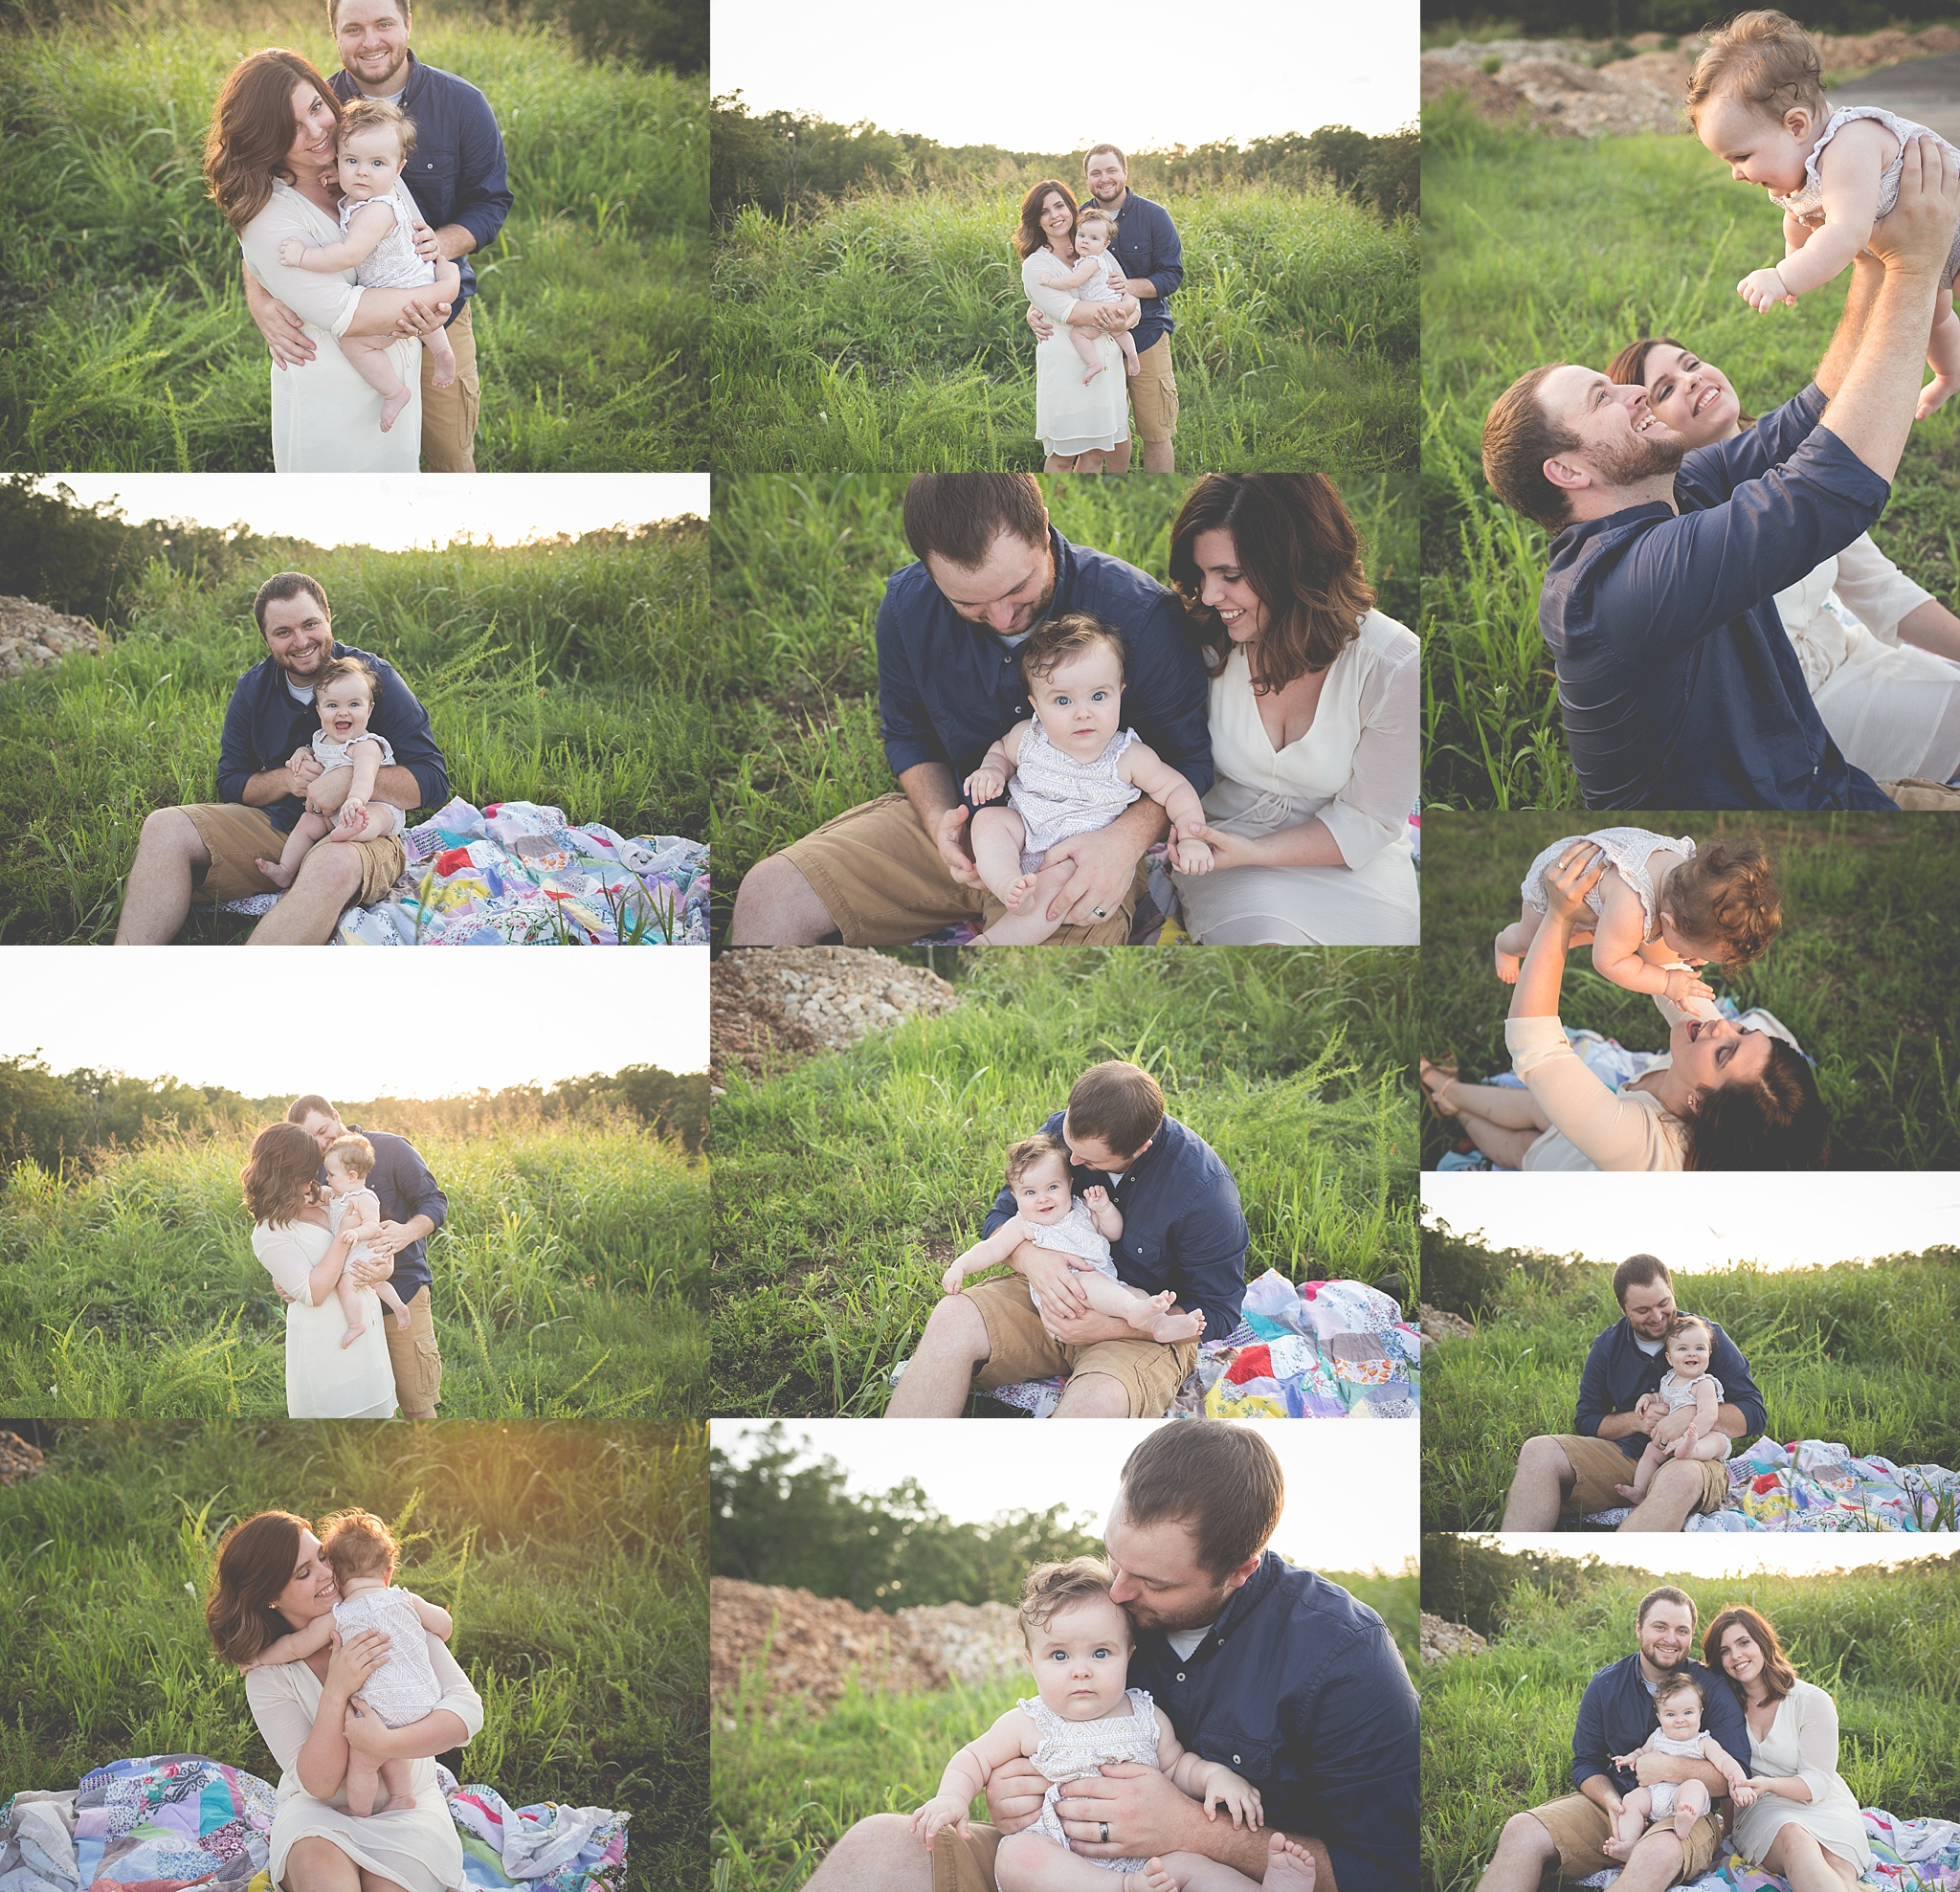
(32, 636)
(972, 1642)
(769, 1007)
(1436, 1325)
(1440, 1640)
(19, 1460)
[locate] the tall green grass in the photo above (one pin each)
(843, 1186)
(799, 571)
(566, 1281)
(1542, 250)
(1862, 1355)
(572, 1558)
(1859, 972)
(886, 332)
(1497, 1727)
(570, 676)
(791, 1779)
(126, 343)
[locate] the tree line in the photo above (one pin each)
(1611, 19)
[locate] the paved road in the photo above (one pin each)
(1927, 90)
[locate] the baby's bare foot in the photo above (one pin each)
(391, 407)
(280, 876)
(1134, 367)
(353, 1333)
(1179, 1327)
(1019, 895)
(1632, 1494)
(444, 359)
(1156, 1876)
(1507, 964)
(1289, 1867)
(401, 1319)
(1142, 1314)
(1934, 395)
(399, 1803)
(1087, 379)
(1616, 1849)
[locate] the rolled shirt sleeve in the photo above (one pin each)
(1591, 1750)
(483, 195)
(1595, 1392)
(1372, 810)
(1611, 1131)
(903, 720)
(324, 302)
(1167, 264)
(1165, 694)
(1738, 1389)
(420, 1190)
(1054, 303)
(459, 1697)
(237, 752)
(400, 717)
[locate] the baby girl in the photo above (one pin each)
(1756, 100)
(1677, 1701)
(1050, 1217)
(378, 220)
(362, 1552)
(1090, 281)
(348, 1161)
(1660, 902)
(1692, 1393)
(1082, 1717)
(344, 694)
(1068, 771)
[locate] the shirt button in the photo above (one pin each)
(1180, 1675)
(1236, 1762)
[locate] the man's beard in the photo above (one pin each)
(1639, 458)
(1198, 1616)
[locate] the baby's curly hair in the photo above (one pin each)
(1029, 1151)
(337, 667)
(1052, 644)
(355, 1152)
(1690, 1322)
(1680, 1684)
(1726, 896)
(1052, 1587)
(1763, 58)
(357, 1544)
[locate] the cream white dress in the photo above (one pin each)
(1069, 417)
(324, 417)
(1356, 769)
(418, 1847)
(1802, 1741)
(324, 1380)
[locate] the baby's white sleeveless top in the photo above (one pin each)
(1096, 289)
(337, 1208)
(1056, 796)
(1074, 1235)
(1680, 1393)
(1688, 1750)
(1626, 850)
(404, 1689)
(1807, 201)
(331, 755)
(392, 263)
(1070, 1749)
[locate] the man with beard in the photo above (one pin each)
(991, 568)
(1266, 1668)
(1678, 685)
(268, 777)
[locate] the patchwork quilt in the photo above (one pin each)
(1907, 1855)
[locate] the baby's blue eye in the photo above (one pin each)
(1061, 1656)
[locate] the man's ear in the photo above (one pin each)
(1567, 475)
(1244, 1570)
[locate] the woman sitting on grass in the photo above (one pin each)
(1078, 418)
(1724, 1098)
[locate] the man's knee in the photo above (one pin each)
(776, 897)
(1525, 1837)
(1679, 1482)
(954, 1327)
(882, 1838)
(170, 831)
(334, 865)
(1546, 1455)
(1096, 1396)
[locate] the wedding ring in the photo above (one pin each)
(1104, 1824)
(1099, 912)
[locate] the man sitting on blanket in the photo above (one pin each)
(991, 568)
(1576, 1473)
(268, 778)
(1264, 1667)
(1182, 1230)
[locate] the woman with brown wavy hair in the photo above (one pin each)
(270, 166)
(268, 1580)
(328, 1376)
(1313, 717)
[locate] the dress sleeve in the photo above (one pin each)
(1054, 303)
(458, 1696)
(1817, 1740)
(283, 1722)
(281, 1253)
(1372, 810)
(1610, 1131)
(1875, 590)
(323, 302)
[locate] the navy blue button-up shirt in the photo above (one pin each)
(1678, 685)
(401, 1179)
(1147, 244)
(264, 723)
(1182, 1226)
(1617, 1715)
(1617, 1374)
(1300, 1687)
(948, 690)
(456, 172)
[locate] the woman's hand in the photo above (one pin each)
(353, 1662)
(368, 1734)
(1227, 850)
(1566, 884)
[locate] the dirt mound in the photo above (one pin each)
(770, 1007)
(19, 1460)
(1487, 97)
(1846, 53)
(1441, 1641)
(32, 636)
(972, 1642)
(1438, 1324)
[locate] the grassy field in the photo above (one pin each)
(566, 1281)
(886, 331)
(1871, 916)
(788, 1784)
(1862, 1355)
(1543, 249)
(124, 343)
(799, 571)
(843, 1186)
(568, 676)
(1497, 1727)
(104, 1560)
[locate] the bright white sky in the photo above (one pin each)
(1698, 1222)
(1148, 75)
(1350, 1485)
(414, 1024)
(1723, 1553)
(397, 511)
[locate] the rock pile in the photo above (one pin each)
(32, 636)
(1441, 1641)
(1436, 1325)
(19, 1460)
(770, 1007)
(972, 1642)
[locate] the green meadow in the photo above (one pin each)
(886, 331)
(1544, 248)
(124, 341)
(844, 1186)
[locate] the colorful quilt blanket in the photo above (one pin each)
(560, 1849)
(518, 873)
(1814, 1484)
(1907, 1855)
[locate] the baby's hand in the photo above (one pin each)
(938, 1812)
(1762, 289)
(1239, 1797)
(1095, 1196)
(1742, 1793)
(291, 251)
(1684, 984)
(1193, 856)
(952, 1278)
(984, 784)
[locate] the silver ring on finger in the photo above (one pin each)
(1105, 1826)
(1100, 913)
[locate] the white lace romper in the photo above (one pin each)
(1056, 796)
(1074, 1235)
(1806, 203)
(1072, 1750)
(1662, 1790)
(331, 755)
(358, 1201)
(1096, 289)
(404, 1689)
(392, 263)
(1680, 1393)
(1627, 851)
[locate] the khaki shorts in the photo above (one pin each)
(411, 1354)
(1915, 791)
(966, 1865)
(235, 837)
(1020, 1347)
(448, 415)
(880, 876)
(1578, 1825)
(1153, 393)
(1601, 1465)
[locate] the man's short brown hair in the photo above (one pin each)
(1055, 642)
(1116, 1104)
(1096, 150)
(1519, 437)
(1666, 1593)
(958, 516)
(1221, 1482)
(284, 585)
(302, 1108)
(333, 7)
(1053, 1587)
(1637, 1271)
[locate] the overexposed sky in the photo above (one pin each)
(392, 511)
(1351, 1485)
(1696, 1220)
(1723, 1553)
(412, 1023)
(1144, 76)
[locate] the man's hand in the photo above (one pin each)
(1050, 1276)
(1918, 232)
(1106, 862)
(419, 315)
(428, 245)
(950, 840)
(1145, 1812)
(285, 334)
(1649, 1410)
(1014, 1793)
(392, 1236)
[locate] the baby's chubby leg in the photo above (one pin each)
(1628, 1824)
(1290, 1868)
(377, 821)
(306, 830)
(1147, 1313)
(1942, 357)
(1128, 343)
(385, 1290)
(999, 835)
(1651, 1461)
(1084, 340)
(1031, 925)
(395, 1776)
(1515, 942)
(1690, 1803)
(1030, 1862)
(368, 356)
(349, 1297)
(363, 1779)
(449, 282)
